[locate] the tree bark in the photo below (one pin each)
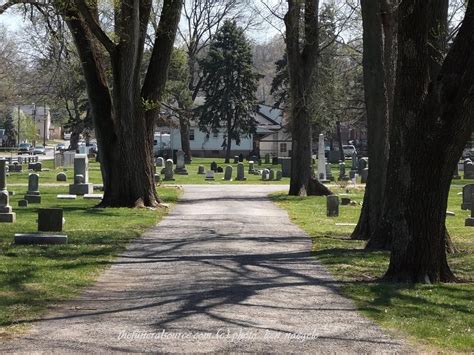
(339, 140)
(433, 117)
(124, 129)
(302, 51)
(184, 132)
(378, 57)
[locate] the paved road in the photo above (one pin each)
(225, 271)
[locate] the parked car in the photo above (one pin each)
(349, 149)
(60, 147)
(39, 149)
(25, 148)
(67, 136)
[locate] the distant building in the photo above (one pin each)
(269, 138)
(41, 116)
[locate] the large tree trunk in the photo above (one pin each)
(339, 141)
(124, 130)
(433, 117)
(302, 51)
(379, 53)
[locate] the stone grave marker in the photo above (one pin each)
(321, 159)
(332, 206)
(160, 162)
(201, 170)
(33, 195)
(61, 177)
(180, 164)
(210, 175)
(49, 220)
(6, 214)
(81, 184)
(240, 172)
(228, 173)
(169, 170)
(467, 192)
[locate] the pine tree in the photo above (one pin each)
(230, 86)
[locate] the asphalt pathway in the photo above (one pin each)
(225, 271)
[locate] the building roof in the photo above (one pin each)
(269, 119)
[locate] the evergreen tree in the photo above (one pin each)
(230, 86)
(10, 132)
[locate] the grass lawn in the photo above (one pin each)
(438, 316)
(34, 277)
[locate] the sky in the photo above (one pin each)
(13, 22)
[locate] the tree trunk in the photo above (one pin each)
(185, 144)
(228, 149)
(378, 39)
(433, 117)
(302, 47)
(124, 130)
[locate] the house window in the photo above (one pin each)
(283, 148)
(191, 134)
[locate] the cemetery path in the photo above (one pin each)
(225, 271)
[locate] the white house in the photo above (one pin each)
(269, 137)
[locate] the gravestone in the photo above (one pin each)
(285, 166)
(22, 203)
(33, 195)
(220, 169)
(236, 159)
(275, 161)
(329, 172)
(334, 156)
(251, 167)
(267, 158)
(456, 175)
(69, 157)
(169, 170)
(363, 163)
(81, 185)
(66, 197)
(157, 178)
(278, 175)
(271, 176)
(61, 177)
(355, 162)
(342, 172)
(228, 173)
(50, 220)
(201, 170)
(214, 166)
(468, 169)
(240, 172)
(180, 163)
(321, 159)
(469, 222)
(265, 174)
(93, 197)
(6, 214)
(467, 192)
(160, 162)
(210, 175)
(241, 158)
(332, 206)
(364, 175)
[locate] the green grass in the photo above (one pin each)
(34, 277)
(439, 316)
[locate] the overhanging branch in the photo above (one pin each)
(11, 3)
(94, 26)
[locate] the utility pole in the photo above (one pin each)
(44, 126)
(19, 124)
(34, 121)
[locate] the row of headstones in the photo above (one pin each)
(18, 168)
(21, 160)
